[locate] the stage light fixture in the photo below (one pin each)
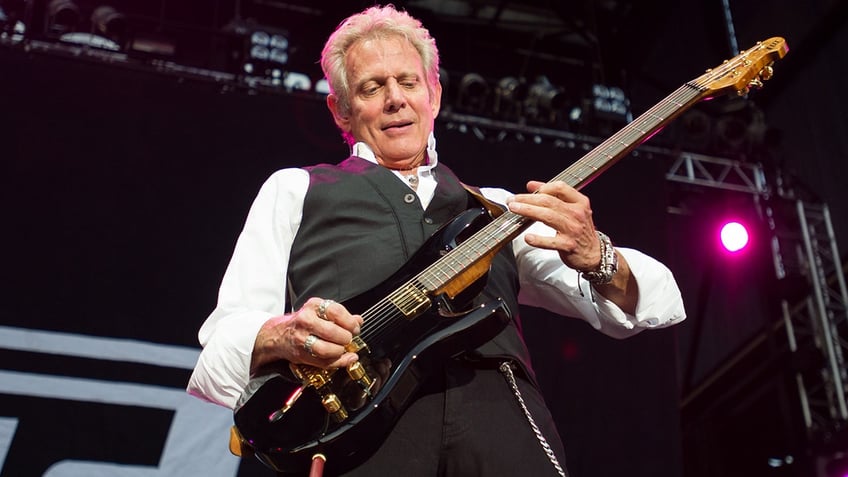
(734, 236)
(269, 46)
(11, 26)
(610, 102)
(322, 86)
(259, 52)
(472, 94)
(111, 24)
(297, 81)
(63, 16)
(545, 103)
(545, 96)
(510, 94)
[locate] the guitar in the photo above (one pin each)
(412, 318)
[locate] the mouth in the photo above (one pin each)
(394, 125)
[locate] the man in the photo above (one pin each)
(329, 232)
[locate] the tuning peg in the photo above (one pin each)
(767, 73)
(755, 83)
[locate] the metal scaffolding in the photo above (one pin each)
(819, 323)
(804, 246)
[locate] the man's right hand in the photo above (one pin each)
(285, 337)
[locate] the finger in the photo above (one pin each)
(344, 361)
(323, 349)
(331, 333)
(558, 189)
(336, 313)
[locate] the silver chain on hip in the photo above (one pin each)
(506, 369)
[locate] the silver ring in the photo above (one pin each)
(307, 345)
(322, 309)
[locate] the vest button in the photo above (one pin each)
(428, 220)
(409, 198)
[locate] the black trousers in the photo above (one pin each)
(467, 423)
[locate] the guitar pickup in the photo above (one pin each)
(410, 301)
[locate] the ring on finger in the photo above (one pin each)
(322, 309)
(308, 343)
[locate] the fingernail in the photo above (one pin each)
(357, 330)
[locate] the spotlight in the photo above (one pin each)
(544, 101)
(260, 52)
(62, 17)
(11, 26)
(611, 103)
(546, 96)
(271, 47)
(111, 24)
(322, 86)
(297, 81)
(734, 236)
(473, 90)
(510, 93)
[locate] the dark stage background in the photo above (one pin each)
(123, 192)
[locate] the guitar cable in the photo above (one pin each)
(317, 467)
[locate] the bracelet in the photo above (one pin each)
(608, 266)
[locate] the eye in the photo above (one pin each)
(370, 89)
(409, 83)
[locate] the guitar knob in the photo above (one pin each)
(333, 405)
(357, 373)
(767, 73)
(755, 83)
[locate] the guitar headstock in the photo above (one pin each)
(748, 69)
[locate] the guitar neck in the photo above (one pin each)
(747, 69)
(509, 225)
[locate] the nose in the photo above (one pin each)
(395, 98)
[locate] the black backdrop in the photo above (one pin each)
(122, 195)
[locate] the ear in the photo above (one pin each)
(343, 122)
(436, 100)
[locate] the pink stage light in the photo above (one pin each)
(734, 236)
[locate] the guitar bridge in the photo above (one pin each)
(410, 301)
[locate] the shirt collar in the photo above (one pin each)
(360, 149)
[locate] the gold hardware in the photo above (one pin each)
(333, 405)
(357, 373)
(356, 345)
(410, 301)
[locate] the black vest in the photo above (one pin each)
(361, 223)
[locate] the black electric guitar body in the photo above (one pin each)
(419, 315)
(400, 354)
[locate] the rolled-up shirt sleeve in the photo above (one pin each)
(546, 282)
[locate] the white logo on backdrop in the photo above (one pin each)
(197, 439)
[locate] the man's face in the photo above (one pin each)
(391, 107)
